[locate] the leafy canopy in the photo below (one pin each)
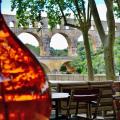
(29, 11)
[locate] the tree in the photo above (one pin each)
(58, 11)
(117, 9)
(58, 53)
(117, 41)
(97, 59)
(107, 40)
(79, 62)
(117, 54)
(35, 50)
(27, 11)
(98, 62)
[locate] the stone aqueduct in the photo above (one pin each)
(43, 37)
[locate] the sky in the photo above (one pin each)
(6, 7)
(57, 39)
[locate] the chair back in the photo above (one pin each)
(89, 96)
(67, 88)
(106, 101)
(116, 98)
(85, 95)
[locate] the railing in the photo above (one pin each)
(75, 77)
(55, 58)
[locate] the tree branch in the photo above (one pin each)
(78, 11)
(97, 20)
(72, 11)
(84, 13)
(72, 25)
(89, 16)
(110, 20)
(118, 2)
(64, 18)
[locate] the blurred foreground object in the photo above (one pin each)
(24, 89)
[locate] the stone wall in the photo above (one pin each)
(75, 77)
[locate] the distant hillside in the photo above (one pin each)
(53, 52)
(59, 53)
(33, 49)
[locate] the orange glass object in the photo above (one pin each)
(24, 90)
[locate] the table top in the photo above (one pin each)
(66, 82)
(117, 97)
(59, 95)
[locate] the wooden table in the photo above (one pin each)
(55, 82)
(56, 97)
(116, 97)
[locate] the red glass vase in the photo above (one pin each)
(24, 89)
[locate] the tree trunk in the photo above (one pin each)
(88, 56)
(107, 40)
(108, 57)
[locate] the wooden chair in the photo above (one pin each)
(105, 109)
(67, 87)
(64, 104)
(116, 99)
(89, 96)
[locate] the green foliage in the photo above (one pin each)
(63, 69)
(34, 50)
(59, 53)
(80, 62)
(57, 12)
(28, 11)
(117, 54)
(97, 59)
(53, 13)
(116, 8)
(80, 65)
(98, 63)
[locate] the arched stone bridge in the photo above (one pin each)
(53, 64)
(44, 39)
(71, 34)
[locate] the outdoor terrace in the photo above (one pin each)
(107, 109)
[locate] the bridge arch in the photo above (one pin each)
(45, 67)
(80, 38)
(71, 46)
(37, 39)
(95, 41)
(58, 41)
(93, 38)
(69, 41)
(67, 67)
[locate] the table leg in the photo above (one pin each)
(56, 109)
(89, 111)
